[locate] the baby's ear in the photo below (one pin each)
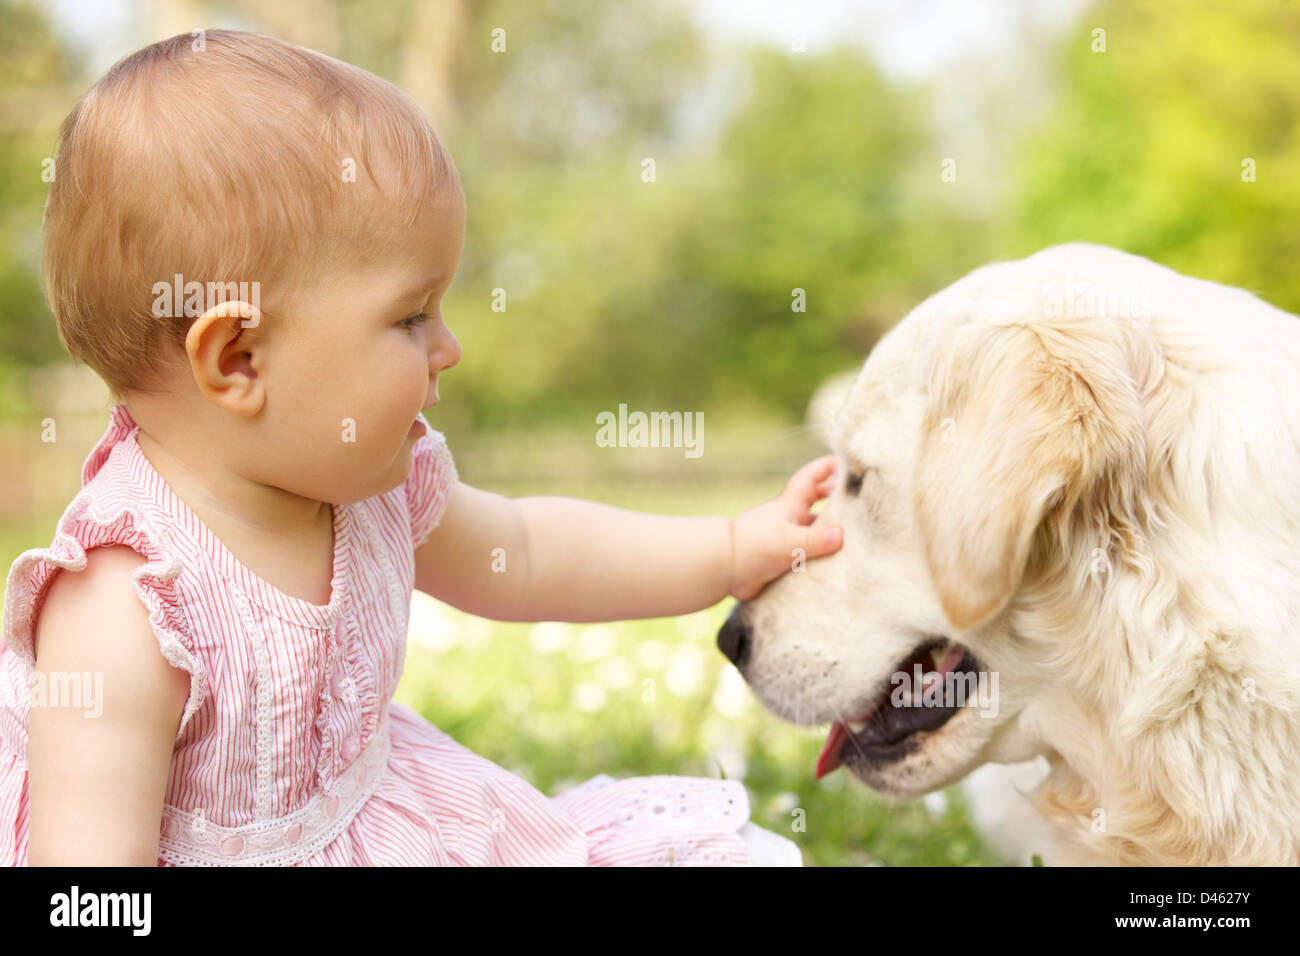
(218, 345)
(1021, 422)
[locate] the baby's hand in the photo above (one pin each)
(764, 538)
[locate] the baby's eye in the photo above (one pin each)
(413, 321)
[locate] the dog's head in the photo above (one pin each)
(992, 457)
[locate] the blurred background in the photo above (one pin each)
(652, 183)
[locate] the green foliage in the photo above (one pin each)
(34, 87)
(675, 292)
(1145, 148)
(807, 191)
(779, 171)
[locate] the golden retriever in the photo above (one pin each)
(1071, 500)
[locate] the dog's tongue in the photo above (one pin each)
(829, 758)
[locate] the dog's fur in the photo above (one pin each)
(1105, 509)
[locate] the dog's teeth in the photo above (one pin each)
(857, 726)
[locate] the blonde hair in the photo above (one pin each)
(222, 157)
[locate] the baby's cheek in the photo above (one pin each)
(409, 383)
(395, 401)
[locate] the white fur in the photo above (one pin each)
(1106, 510)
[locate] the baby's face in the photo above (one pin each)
(364, 359)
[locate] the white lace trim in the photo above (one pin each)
(189, 839)
(263, 693)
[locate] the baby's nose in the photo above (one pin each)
(445, 352)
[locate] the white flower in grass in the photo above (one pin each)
(549, 637)
(696, 626)
(594, 643)
(589, 696)
(616, 673)
(732, 762)
(429, 627)
(783, 803)
(475, 633)
(936, 803)
(651, 654)
(731, 695)
(685, 670)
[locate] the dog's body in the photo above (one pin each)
(1096, 513)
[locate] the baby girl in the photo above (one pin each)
(267, 495)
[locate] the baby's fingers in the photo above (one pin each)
(803, 489)
(822, 539)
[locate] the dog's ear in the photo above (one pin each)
(1021, 422)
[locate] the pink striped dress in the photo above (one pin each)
(290, 749)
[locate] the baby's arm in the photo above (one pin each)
(96, 782)
(563, 559)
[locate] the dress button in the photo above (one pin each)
(338, 684)
(292, 833)
(232, 846)
(351, 747)
(331, 806)
(170, 828)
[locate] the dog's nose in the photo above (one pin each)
(733, 639)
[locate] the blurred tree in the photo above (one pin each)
(678, 291)
(557, 105)
(675, 290)
(557, 84)
(812, 190)
(36, 83)
(1145, 150)
(664, 290)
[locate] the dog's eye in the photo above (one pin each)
(853, 482)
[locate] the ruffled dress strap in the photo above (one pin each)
(430, 482)
(104, 512)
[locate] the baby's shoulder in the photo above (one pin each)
(92, 619)
(106, 598)
(96, 656)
